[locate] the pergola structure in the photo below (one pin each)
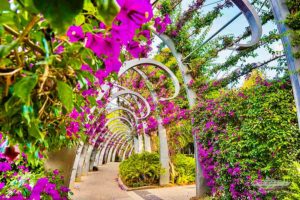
(120, 135)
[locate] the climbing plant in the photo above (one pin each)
(246, 136)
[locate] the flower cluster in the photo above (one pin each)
(107, 44)
(161, 24)
(232, 151)
(19, 182)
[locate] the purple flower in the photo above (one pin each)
(59, 49)
(74, 114)
(4, 167)
(75, 33)
(102, 25)
(134, 49)
(73, 128)
(87, 68)
(161, 24)
(209, 124)
(2, 185)
(101, 74)
(118, 33)
(134, 13)
(103, 47)
(166, 120)
(112, 64)
(64, 189)
(262, 191)
(56, 172)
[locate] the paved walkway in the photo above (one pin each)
(102, 185)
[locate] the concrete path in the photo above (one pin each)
(102, 185)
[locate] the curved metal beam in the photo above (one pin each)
(146, 61)
(124, 109)
(125, 92)
(253, 20)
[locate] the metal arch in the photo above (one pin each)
(253, 20)
(110, 147)
(124, 109)
(124, 153)
(111, 130)
(116, 141)
(142, 146)
(136, 62)
(101, 156)
(118, 147)
(121, 125)
(76, 163)
(107, 148)
(136, 101)
(126, 91)
(119, 118)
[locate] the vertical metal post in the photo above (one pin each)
(191, 96)
(281, 11)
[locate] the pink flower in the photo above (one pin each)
(87, 68)
(134, 13)
(59, 49)
(161, 24)
(75, 33)
(112, 64)
(2, 185)
(103, 47)
(74, 114)
(101, 74)
(134, 49)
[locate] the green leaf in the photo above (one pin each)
(34, 130)
(20, 132)
(79, 19)
(60, 13)
(4, 5)
(5, 49)
(65, 94)
(108, 9)
(29, 5)
(23, 88)
(7, 17)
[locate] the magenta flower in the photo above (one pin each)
(2, 185)
(112, 64)
(134, 13)
(122, 34)
(59, 49)
(101, 74)
(102, 25)
(87, 68)
(103, 47)
(134, 48)
(75, 33)
(56, 172)
(161, 24)
(73, 128)
(4, 167)
(74, 114)
(64, 189)
(166, 120)
(209, 124)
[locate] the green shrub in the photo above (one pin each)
(292, 176)
(185, 168)
(140, 170)
(246, 136)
